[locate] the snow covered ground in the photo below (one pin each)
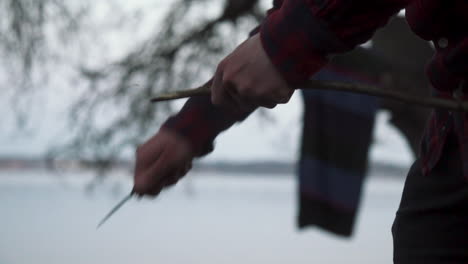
(207, 218)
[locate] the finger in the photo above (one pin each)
(154, 192)
(169, 179)
(283, 96)
(147, 152)
(179, 174)
(271, 101)
(219, 92)
(150, 179)
(240, 103)
(138, 162)
(156, 188)
(165, 171)
(268, 104)
(142, 182)
(259, 101)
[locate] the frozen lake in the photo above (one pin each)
(205, 219)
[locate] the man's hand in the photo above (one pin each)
(247, 79)
(161, 162)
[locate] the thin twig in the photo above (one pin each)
(202, 90)
(433, 102)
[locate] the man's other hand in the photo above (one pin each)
(161, 162)
(247, 79)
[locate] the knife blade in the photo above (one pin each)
(115, 209)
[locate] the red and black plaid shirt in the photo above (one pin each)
(299, 36)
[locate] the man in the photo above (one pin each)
(293, 43)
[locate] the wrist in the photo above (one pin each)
(199, 144)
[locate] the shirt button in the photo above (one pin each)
(443, 43)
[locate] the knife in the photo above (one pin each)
(115, 209)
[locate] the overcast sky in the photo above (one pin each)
(255, 139)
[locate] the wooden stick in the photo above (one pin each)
(202, 90)
(434, 102)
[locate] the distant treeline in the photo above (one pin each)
(260, 168)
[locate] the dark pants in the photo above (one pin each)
(431, 225)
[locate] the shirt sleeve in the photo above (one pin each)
(300, 35)
(200, 122)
